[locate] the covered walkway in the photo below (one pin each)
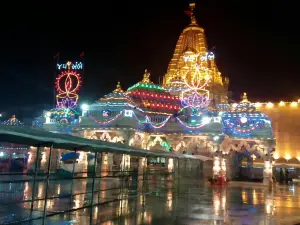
(40, 195)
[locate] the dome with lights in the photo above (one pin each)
(245, 120)
(153, 98)
(117, 97)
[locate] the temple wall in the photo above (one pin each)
(286, 126)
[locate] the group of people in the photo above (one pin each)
(283, 176)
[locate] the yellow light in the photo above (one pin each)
(281, 103)
(288, 156)
(294, 104)
(257, 104)
(276, 156)
(270, 105)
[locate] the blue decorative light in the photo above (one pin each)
(69, 65)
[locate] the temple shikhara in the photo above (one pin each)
(189, 113)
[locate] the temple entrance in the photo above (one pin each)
(245, 166)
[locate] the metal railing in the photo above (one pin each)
(46, 196)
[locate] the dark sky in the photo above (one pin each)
(257, 46)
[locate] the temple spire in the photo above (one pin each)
(245, 98)
(118, 88)
(191, 13)
(146, 77)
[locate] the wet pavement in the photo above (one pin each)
(163, 202)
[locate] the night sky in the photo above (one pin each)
(257, 46)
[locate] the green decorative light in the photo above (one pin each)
(166, 145)
(152, 86)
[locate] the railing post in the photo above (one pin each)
(144, 176)
(72, 184)
(47, 183)
(93, 188)
(178, 175)
(34, 178)
(99, 184)
(122, 183)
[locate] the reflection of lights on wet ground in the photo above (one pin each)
(216, 202)
(224, 199)
(244, 197)
(292, 189)
(123, 206)
(254, 196)
(26, 191)
(44, 158)
(169, 200)
(50, 204)
(77, 201)
(108, 223)
(95, 213)
(40, 195)
(270, 205)
(40, 190)
(223, 203)
(58, 189)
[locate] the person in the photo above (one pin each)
(286, 176)
(281, 176)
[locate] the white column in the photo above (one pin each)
(219, 167)
(216, 166)
(268, 180)
(170, 164)
(125, 163)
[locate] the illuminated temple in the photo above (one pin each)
(189, 113)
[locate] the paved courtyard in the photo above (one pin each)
(188, 202)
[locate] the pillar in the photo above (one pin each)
(268, 173)
(125, 163)
(219, 167)
(142, 165)
(170, 165)
(44, 158)
(216, 166)
(107, 162)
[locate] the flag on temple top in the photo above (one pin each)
(57, 55)
(188, 12)
(81, 54)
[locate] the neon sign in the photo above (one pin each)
(128, 113)
(67, 85)
(207, 56)
(190, 58)
(70, 66)
(195, 95)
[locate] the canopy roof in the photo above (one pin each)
(34, 137)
